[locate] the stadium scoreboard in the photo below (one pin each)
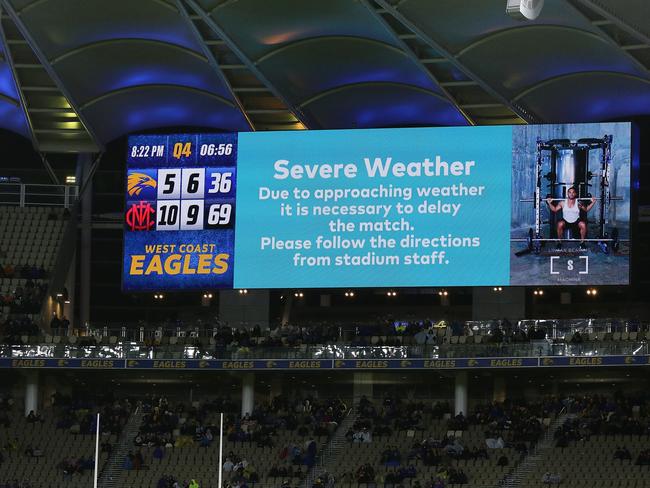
(365, 208)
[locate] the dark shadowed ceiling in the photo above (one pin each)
(75, 74)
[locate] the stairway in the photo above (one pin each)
(529, 464)
(112, 472)
(331, 449)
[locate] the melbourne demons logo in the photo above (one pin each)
(138, 182)
(140, 216)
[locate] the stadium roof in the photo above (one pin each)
(75, 74)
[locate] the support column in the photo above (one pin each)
(85, 162)
(244, 309)
(31, 391)
(460, 393)
(362, 386)
(499, 389)
(286, 310)
(276, 386)
(247, 393)
(509, 303)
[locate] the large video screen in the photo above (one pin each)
(460, 206)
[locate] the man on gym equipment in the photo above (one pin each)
(571, 218)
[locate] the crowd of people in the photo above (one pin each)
(78, 415)
(24, 271)
(162, 420)
(71, 466)
(166, 425)
(14, 328)
(392, 415)
(27, 299)
(602, 415)
(513, 424)
(168, 481)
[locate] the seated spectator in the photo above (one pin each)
(622, 454)
(366, 474)
(362, 435)
(457, 477)
(128, 461)
(391, 457)
(551, 479)
(644, 458)
(33, 418)
(455, 449)
(158, 453)
(493, 443)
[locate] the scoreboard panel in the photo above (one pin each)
(180, 211)
(429, 207)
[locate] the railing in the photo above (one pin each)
(554, 329)
(25, 195)
(133, 350)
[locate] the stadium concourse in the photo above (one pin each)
(336, 243)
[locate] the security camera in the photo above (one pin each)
(524, 9)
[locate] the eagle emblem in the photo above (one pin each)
(138, 182)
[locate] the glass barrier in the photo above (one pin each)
(134, 350)
(545, 329)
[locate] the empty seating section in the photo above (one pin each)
(29, 240)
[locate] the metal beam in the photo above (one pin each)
(40, 89)
(526, 28)
(24, 32)
(607, 38)
(603, 11)
(523, 113)
(88, 176)
(8, 99)
(549, 81)
(418, 62)
(312, 40)
(212, 61)
(48, 168)
(21, 98)
(249, 64)
(350, 86)
(104, 42)
(156, 85)
(52, 111)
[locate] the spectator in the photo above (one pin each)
(551, 479)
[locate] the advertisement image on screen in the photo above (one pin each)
(571, 204)
(459, 206)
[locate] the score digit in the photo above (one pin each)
(191, 214)
(169, 184)
(193, 182)
(219, 214)
(167, 215)
(221, 183)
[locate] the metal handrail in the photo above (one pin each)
(28, 194)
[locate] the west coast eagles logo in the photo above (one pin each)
(138, 182)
